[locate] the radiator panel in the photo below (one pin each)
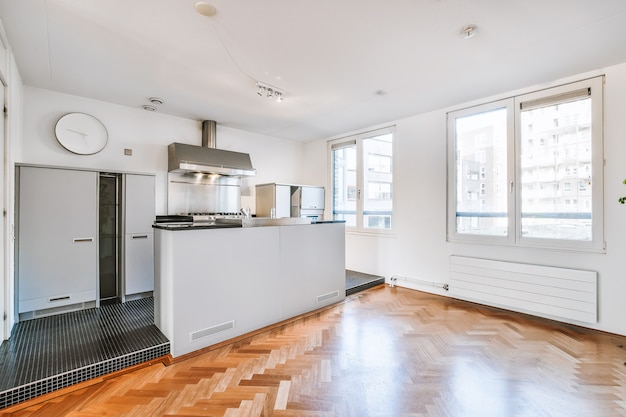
(546, 291)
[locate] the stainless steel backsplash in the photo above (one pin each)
(202, 193)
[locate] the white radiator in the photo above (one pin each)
(540, 290)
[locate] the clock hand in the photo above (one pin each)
(76, 131)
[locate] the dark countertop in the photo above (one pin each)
(195, 226)
(327, 221)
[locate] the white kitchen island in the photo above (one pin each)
(214, 284)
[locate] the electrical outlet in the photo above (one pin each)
(128, 152)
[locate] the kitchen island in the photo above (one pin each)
(216, 283)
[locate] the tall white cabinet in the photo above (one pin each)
(57, 262)
(57, 248)
(138, 236)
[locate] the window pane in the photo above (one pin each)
(379, 163)
(481, 173)
(556, 171)
(379, 190)
(377, 181)
(344, 186)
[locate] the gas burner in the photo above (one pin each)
(214, 214)
(199, 217)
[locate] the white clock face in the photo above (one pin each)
(81, 133)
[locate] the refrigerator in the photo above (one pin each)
(308, 201)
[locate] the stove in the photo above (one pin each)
(195, 218)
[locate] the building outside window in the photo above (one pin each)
(362, 180)
(544, 153)
(379, 191)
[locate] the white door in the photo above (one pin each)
(58, 233)
(139, 239)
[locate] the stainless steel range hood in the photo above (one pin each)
(184, 158)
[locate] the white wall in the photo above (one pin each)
(418, 248)
(147, 134)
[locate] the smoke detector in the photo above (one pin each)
(205, 9)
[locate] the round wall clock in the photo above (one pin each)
(81, 133)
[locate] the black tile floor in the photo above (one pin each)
(51, 353)
(358, 281)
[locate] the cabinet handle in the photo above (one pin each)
(83, 239)
(140, 237)
(65, 297)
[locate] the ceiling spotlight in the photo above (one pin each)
(149, 107)
(468, 31)
(205, 9)
(269, 91)
(155, 100)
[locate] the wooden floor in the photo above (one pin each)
(389, 352)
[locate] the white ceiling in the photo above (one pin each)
(329, 56)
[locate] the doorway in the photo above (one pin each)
(4, 240)
(109, 238)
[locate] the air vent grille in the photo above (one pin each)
(209, 331)
(326, 297)
(62, 309)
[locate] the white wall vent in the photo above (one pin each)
(212, 330)
(45, 312)
(326, 297)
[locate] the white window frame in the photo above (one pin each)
(357, 140)
(514, 237)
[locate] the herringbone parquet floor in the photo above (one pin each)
(385, 352)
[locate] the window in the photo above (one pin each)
(362, 180)
(543, 151)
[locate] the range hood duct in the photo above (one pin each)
(207, 159)
(209, 137)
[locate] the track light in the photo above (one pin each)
(269, 91)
